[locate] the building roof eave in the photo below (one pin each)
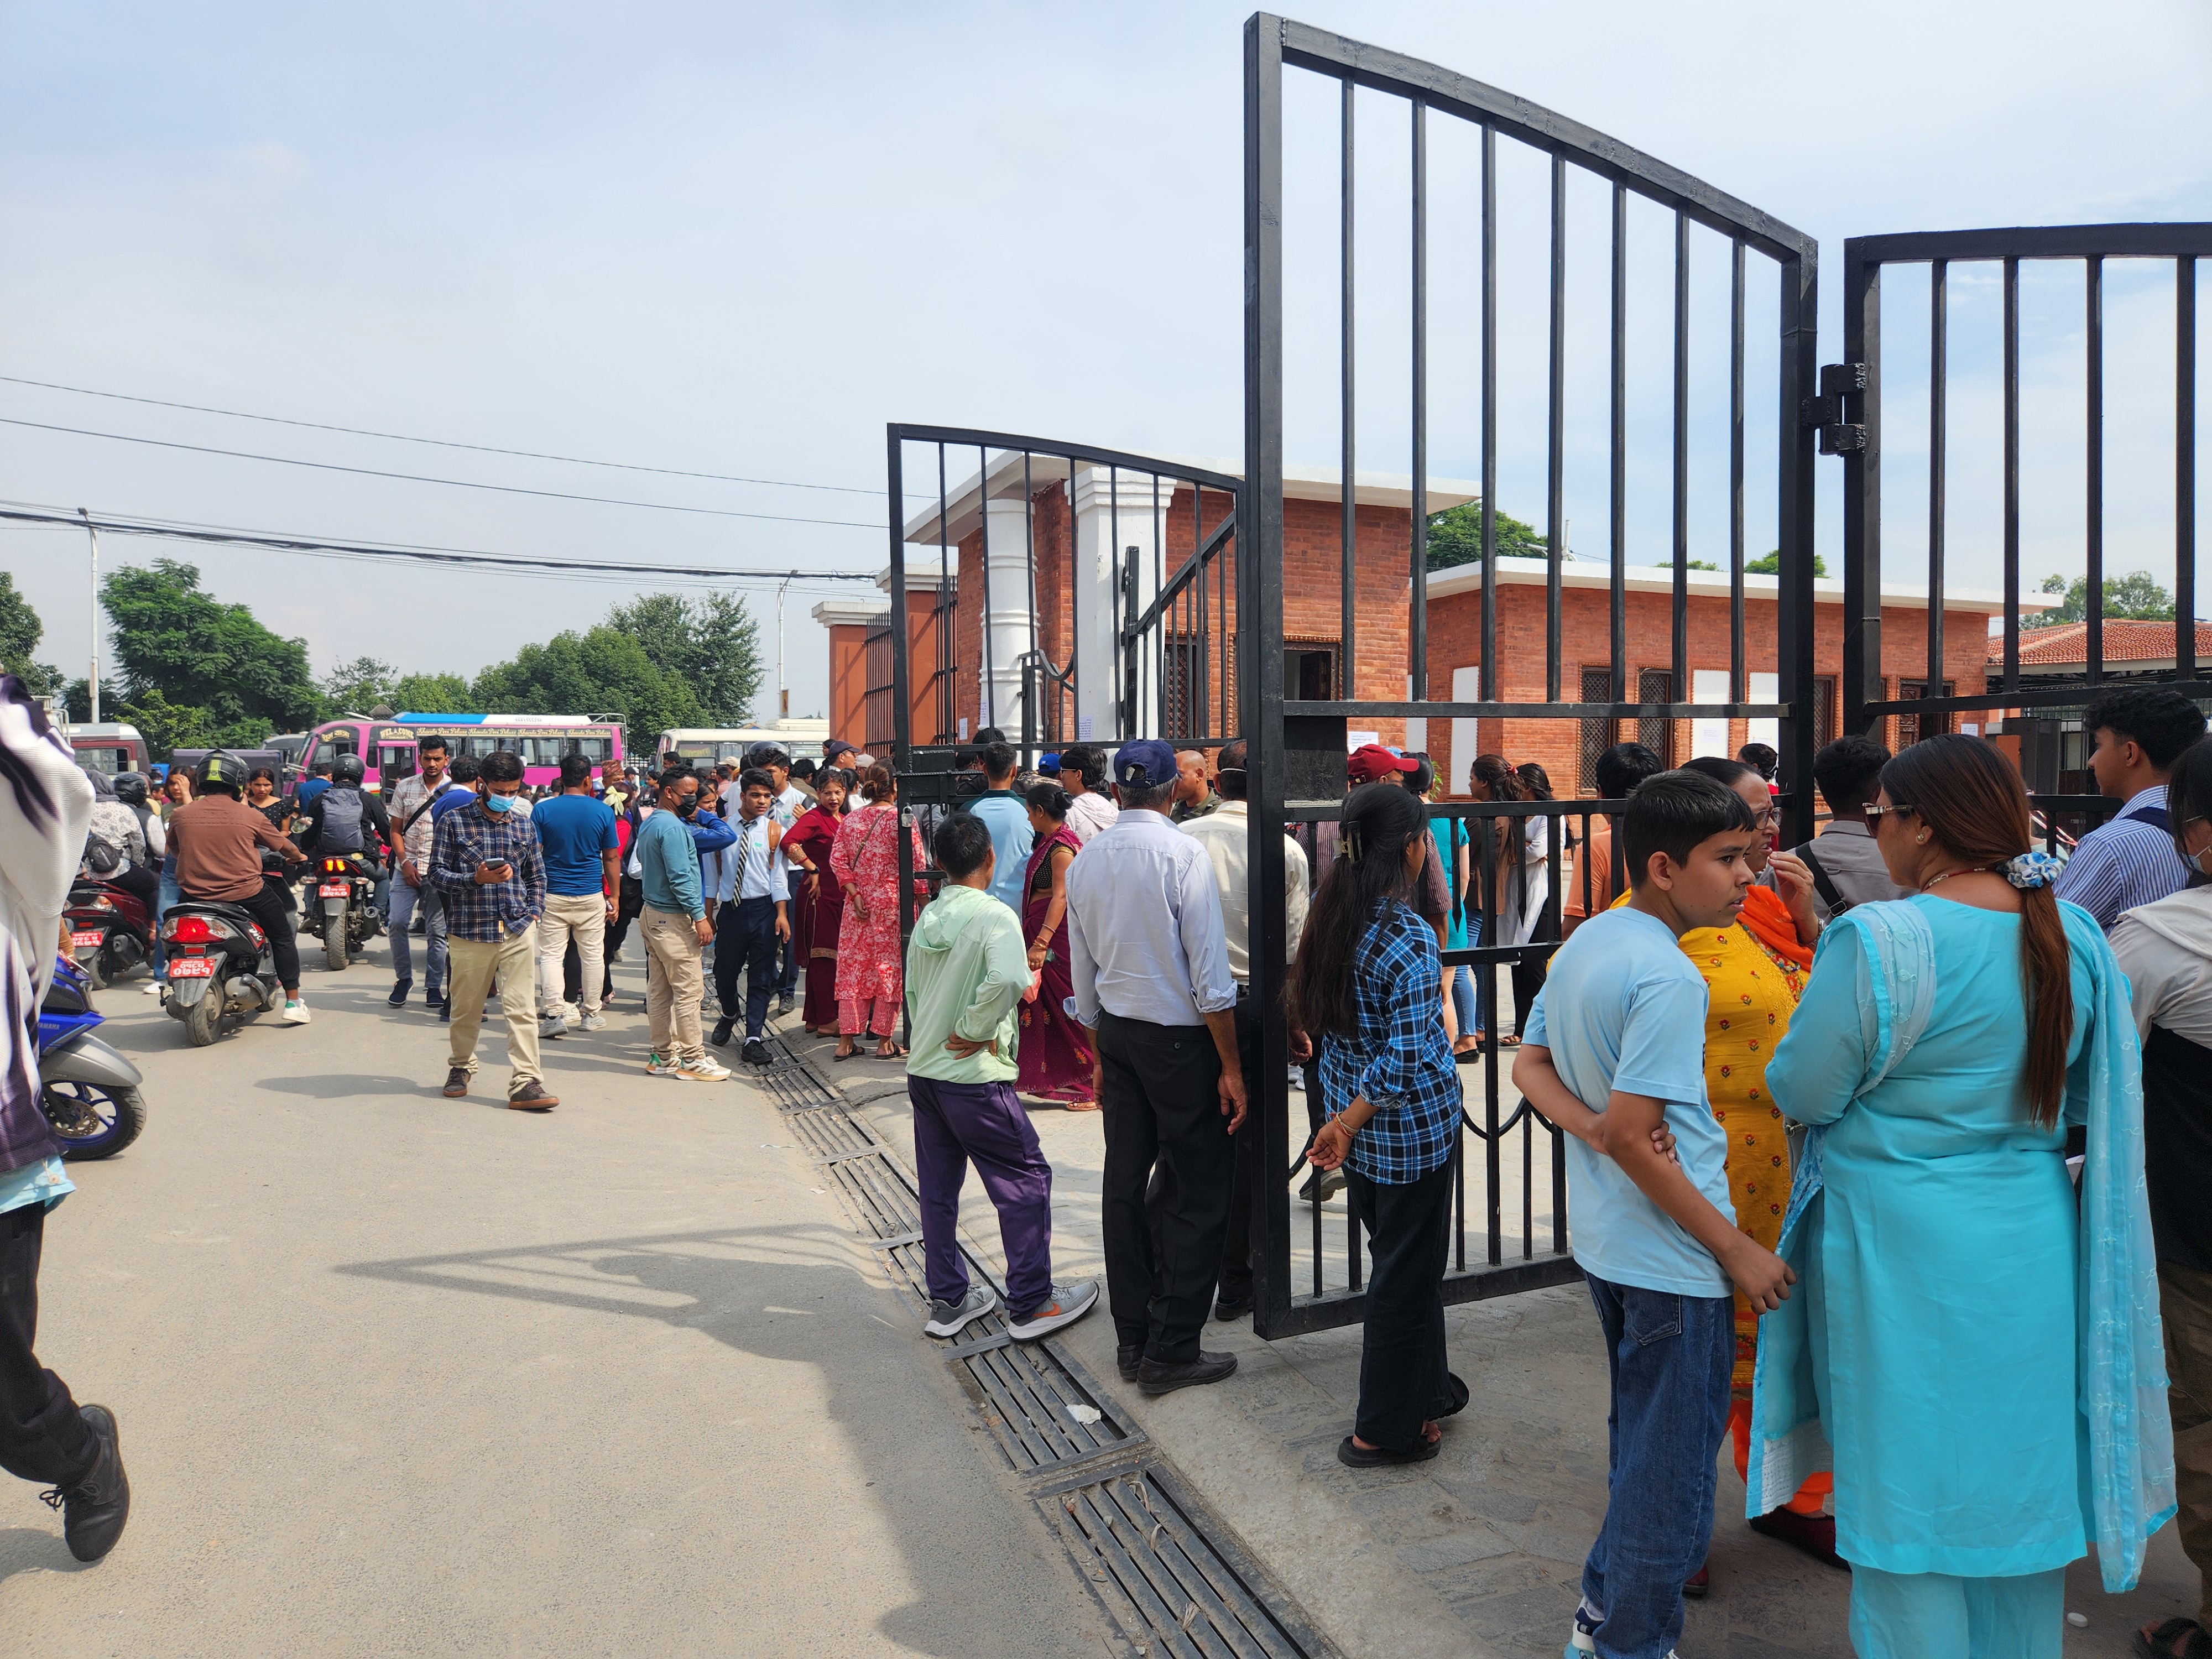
(1706, 584)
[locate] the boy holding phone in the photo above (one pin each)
(484, 859)
(1614, 1055)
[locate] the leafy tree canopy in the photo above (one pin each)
(187, 659)
(712, 643)
(431, 693)
(2135, 595)
(1770, 565)
(590, 673)
(1455, 537)
(21, 630)
(359, 685)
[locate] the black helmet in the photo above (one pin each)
(221, 770)
(767, 753)
(130, 788)
(348, 770)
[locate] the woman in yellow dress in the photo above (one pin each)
(1753, 971)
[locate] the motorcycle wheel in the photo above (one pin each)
(96, 968)
(204, 1020)
(92, 1122)
(334, 943)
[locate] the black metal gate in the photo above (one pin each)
(1868, 669)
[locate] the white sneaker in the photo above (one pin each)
(704, 1070)
(153, 988)
(594, 1021)
(295, 1013)
(659, 1066)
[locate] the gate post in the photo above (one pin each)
(1800, 366)
(1862, 681)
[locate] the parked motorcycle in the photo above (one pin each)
(222, 969)
(110, 932)
(345, 890)
(88, 1091)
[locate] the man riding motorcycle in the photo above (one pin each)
(342, 816)
(218, 837)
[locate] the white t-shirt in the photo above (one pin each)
(1623, 1008)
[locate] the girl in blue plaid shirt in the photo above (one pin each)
(1369, 986)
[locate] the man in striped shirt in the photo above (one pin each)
(2139, 734)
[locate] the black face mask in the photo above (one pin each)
(688, 806)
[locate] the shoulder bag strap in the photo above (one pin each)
(1824, 883)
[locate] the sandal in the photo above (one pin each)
(1353, 1455)
(852, 1053)
(892, 1053)
(2177, 1638)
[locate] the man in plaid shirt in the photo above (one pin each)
(484, 859)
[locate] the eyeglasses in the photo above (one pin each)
(1875, 813)
(1763, 819)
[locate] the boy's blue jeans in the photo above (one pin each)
(1670, 1357)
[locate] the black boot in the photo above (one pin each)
(723, 1027)
(95, 1507)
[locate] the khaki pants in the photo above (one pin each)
(585, 917)
(674, 984)
(2185, 1307)
(473, 970)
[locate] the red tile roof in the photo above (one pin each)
(2125, 641)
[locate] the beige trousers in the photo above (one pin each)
(585, 917)
(674, 984)
(472, 970)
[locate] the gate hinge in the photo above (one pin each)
(1837, 435)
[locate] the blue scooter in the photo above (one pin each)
(90, 1093)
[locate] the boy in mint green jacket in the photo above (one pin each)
(966, 969)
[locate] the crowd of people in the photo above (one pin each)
(1887, 1152)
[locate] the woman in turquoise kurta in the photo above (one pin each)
(1950, 1309)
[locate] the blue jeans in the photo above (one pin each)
(404, 901)
(1670, 1357)
(1462, 993)
(172, 896)
(744, 940)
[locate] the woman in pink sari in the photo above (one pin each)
(819, 903)
(1054, 1057)
(871, 975)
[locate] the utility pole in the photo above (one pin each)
(92, 680)
(782, 691)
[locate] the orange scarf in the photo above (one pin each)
(1767, 919)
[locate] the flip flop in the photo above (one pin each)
(897, 1053)
(1354, 1456)
(855, 1054)
(2177, 1638)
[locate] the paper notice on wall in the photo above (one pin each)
(1360, 739)
(1085, 726)
(1764, 688)
(963, 728)
(1466, 687)
(1710, 736)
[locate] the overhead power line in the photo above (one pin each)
(455, 484)
(215, 534)
(439, 443)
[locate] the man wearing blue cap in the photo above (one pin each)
(1149, 959)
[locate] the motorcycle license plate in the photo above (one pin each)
(331, 890)
(192, 968)
(84, 939)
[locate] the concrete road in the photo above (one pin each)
(398, 1374)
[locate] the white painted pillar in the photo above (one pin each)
(1007, 619)
(1113, 514)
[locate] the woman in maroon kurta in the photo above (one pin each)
(1053, 1057)
(820, 899)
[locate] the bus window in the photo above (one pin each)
(481, 746)
(542, 751)
(395, 761)
(594, 748)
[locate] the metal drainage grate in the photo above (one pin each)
(1162, 1566)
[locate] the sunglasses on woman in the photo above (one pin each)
(1875, 813)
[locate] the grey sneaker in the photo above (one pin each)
(1064, 1306)
(946, 1318)
(594, 1021)
(550, 1026)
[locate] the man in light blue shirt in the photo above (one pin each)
(753, 915)
(1006, 815)
(1614, 1055)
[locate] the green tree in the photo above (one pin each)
(603, 671)
(2135, 595)
(712, 643)
(359, 685)
(431, 693)
(1771, 565)
(21, 630)
(188, 659)
(1455, 537)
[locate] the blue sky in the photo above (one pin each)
(738, 239)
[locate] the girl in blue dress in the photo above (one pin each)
(1979, 1362)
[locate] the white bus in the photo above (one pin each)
(705, 745)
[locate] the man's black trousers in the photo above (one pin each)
(268, 907)
(745, 936)
(1162, 1104)
(42, 1436)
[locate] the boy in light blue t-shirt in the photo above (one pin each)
(1614, 1055)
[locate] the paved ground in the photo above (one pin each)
(403, 1375)
(398, 1374)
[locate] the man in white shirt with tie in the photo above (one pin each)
(753, 915)
(1150, 964)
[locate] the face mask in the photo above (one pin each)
(688, 808)
(499, 803)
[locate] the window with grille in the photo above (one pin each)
(1198, 690)
(1596, 736)
(1657, 734)
(1910, 728)
(1824, 711)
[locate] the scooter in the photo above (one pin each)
(345, 889)
(110, 932)
(88, 1091)
(222, 966)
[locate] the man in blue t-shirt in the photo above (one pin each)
(1007, 816)
(1614, 1055)
(583, 873)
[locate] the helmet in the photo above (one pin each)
(348, 770)
(221, 770)
(768, 753)
(130, 788)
